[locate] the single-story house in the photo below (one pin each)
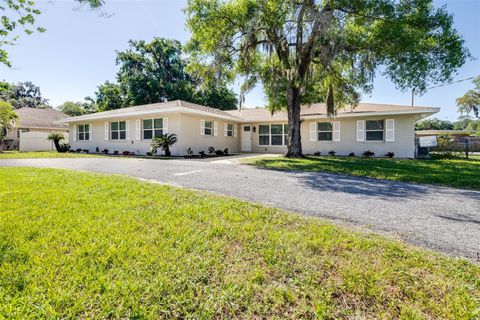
(379, 128)
(30, 131)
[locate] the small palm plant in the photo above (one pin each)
(163, 142)
(56, 137)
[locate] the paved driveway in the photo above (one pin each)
(442, 219)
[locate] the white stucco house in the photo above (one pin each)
(380, 128)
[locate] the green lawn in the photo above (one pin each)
(43, 154)
(452, 173)
(82, 245)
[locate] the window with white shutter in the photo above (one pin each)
(390, 130)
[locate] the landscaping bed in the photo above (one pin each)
(103, 246)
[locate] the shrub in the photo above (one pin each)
(225, 151)
(219, 152)
(97, 150)
(115, 152)
(202, 153)
(149, 154)
(390, 154)
(332, 153)
(63, 147)
(56, 137)
(86, 150)
(351, 154)
(79, 150)
(190, 152)
(128, 153)
(317, 153)
(211, 150)
(368, 154)
(164, 142)
(105, 151)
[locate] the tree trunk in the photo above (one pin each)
(56, 142)
(294, 145)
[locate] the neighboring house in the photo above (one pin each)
(375, 127)
(33, 126)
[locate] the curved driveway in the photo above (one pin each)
(438, 218)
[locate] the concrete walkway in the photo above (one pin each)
(438, 218)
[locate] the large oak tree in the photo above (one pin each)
(305, 51)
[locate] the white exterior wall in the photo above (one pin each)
(185, 126)
(36, 140)
(403, 145)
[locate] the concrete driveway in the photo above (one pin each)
(438, 218)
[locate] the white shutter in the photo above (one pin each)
(235, 129)
(165, 125)
(90, 127)
(313, 131)
(106, 130)
(225, 129)
(360, 130)
(127, 130)
(202, 127)
(74, 132)
(138, 129)
(215, 128)
(336, 131)
(390, 130)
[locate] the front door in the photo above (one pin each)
(246, 138)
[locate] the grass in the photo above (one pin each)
(82, 245)
(43, 154)
(451, 173)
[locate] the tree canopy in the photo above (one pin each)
(72, 109)
(154, 71)
(470, 101)
(330, 50)
(434, 124)
(22, 94)
(7, 117)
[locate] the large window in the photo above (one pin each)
(229, 130)
(84, 132)
(208, 128)
(274, 134)
(325, 131)
(118, 130)
(374, 130)
(152, 128)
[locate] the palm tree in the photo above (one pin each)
(56, 137)
(164, 142)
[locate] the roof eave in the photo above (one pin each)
(177, 109)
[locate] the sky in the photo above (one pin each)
(77, 52)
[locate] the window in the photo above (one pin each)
(152, 128)
(229, 130)
(374, 130)
(118, 130)
(325, 131)
(84, 132)
(275, 134)
(208, 129)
